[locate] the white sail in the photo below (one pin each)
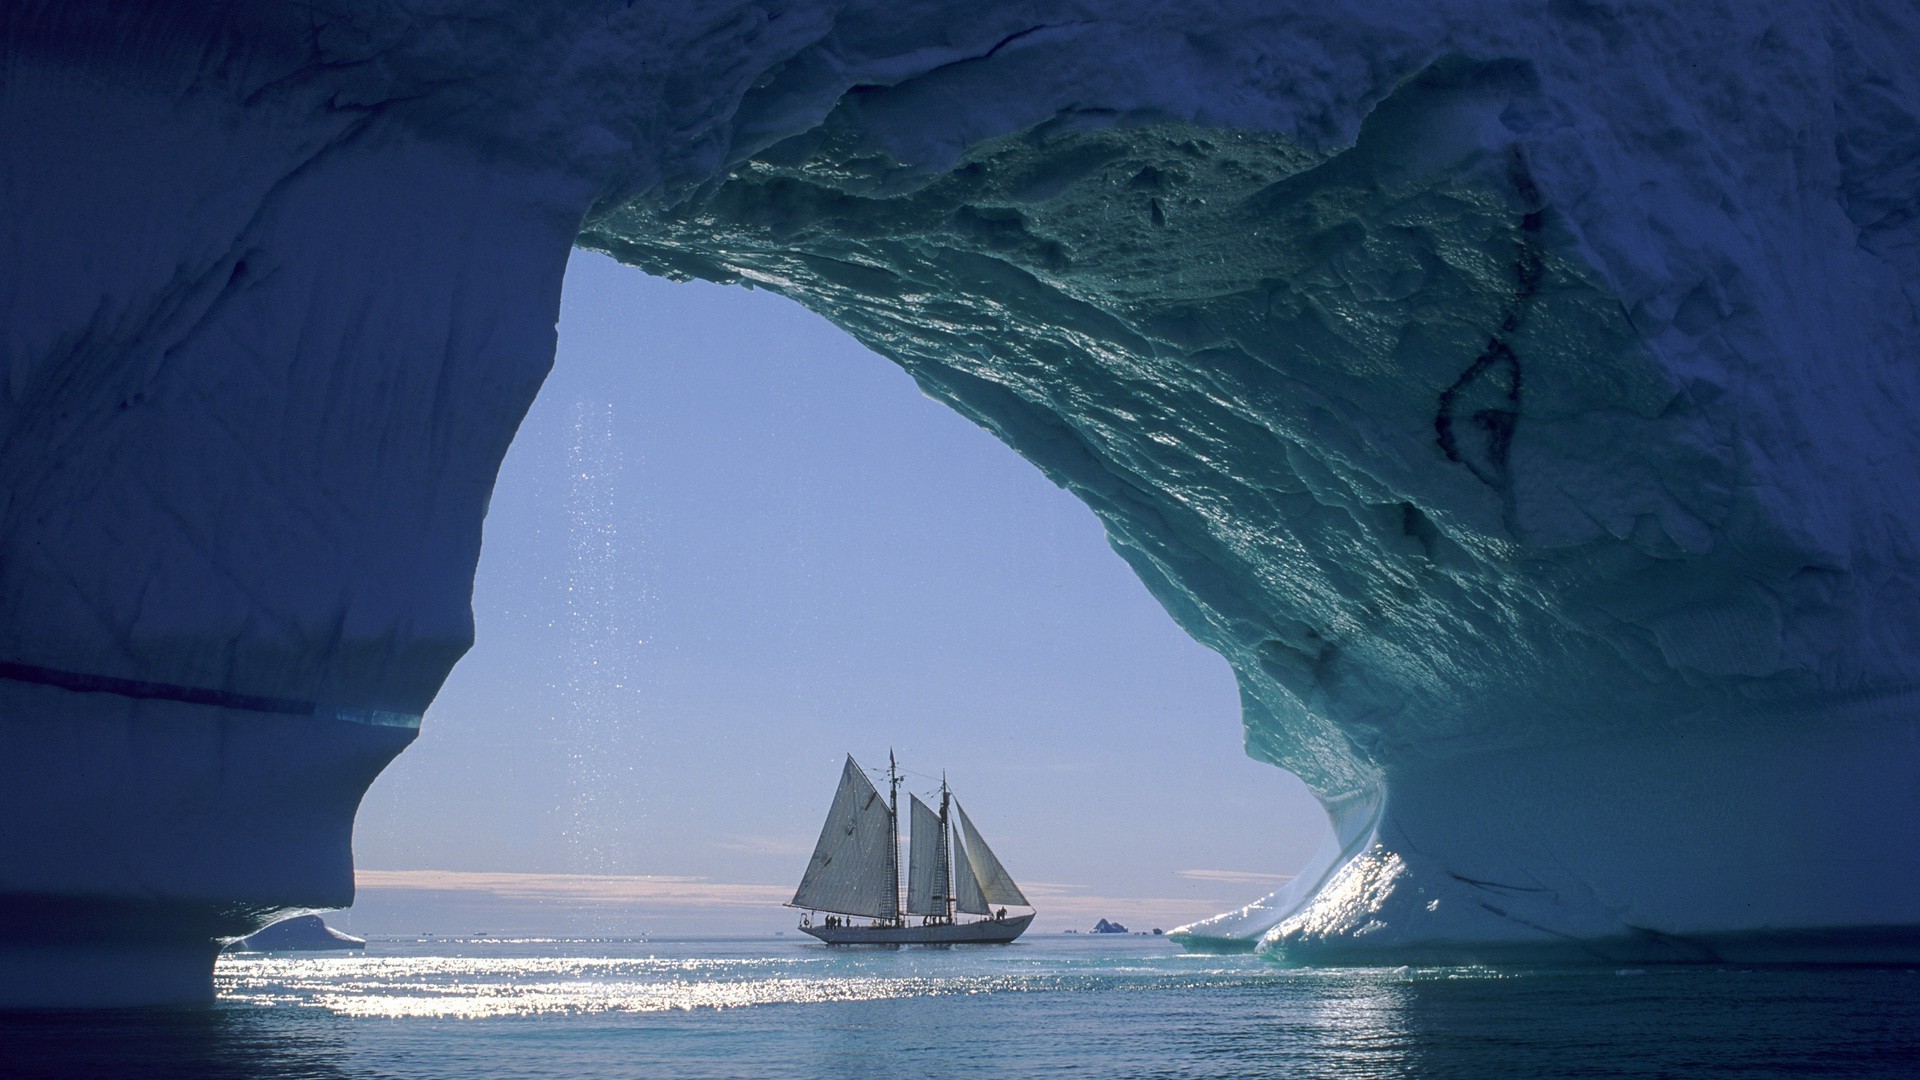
(966, 893)
(996, 885)
(851, 872)
(926, 863)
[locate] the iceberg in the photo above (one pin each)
(302, 933)
(1518, 396)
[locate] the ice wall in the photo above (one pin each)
(263, 352)
(1516, 394)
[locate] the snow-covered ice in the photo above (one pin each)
(1518, 395)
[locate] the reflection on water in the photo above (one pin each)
(458, 988)
(1078, 1006)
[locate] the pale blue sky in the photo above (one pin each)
(779, 552)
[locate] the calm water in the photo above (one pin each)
(1061, 1005)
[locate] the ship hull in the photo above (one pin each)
(984, 932)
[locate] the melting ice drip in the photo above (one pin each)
(599, 780)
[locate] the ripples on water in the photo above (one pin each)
(1063, 1005)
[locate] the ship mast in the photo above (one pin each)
(893, 834)
(946, 852)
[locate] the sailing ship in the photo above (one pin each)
(855, 873)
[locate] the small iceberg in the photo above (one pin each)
(302, 933)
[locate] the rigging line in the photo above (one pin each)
(904, 769)
(930, 792)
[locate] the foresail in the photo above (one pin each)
(850, 872)
(926, 892)
(966, 893)
(996, 885)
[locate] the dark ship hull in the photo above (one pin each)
(984, 932)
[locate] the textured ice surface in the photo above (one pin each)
(1518, 395)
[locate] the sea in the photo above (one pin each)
(1047, 1005)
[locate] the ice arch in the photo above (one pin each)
(1516, 394)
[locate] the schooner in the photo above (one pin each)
(855, 871)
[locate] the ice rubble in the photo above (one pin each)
(1516, 394)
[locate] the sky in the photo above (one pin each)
(729, 546)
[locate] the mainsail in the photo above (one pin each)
(926, 863)
(851, 872)
(995, 884)
(966, 897)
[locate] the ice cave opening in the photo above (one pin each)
(728, 545)
(1518, 396)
